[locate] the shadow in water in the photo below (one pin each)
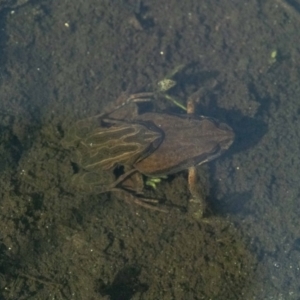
(125, 284)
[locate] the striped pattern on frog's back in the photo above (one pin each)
(102, 144)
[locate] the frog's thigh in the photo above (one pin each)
(93, 182)
(134, 183)
(196, 205)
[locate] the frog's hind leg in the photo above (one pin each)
(130, 198)
(130, 185)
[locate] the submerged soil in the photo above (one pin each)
(62, 61)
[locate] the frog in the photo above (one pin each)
(164, 144)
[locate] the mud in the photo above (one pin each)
(61, 61)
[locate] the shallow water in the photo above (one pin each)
(64, 60)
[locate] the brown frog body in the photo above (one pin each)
(151, 144)
(188, 141)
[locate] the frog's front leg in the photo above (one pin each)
(196, 205)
